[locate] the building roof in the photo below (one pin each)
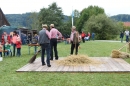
(127, 24)
(3, 20)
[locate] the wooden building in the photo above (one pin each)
(3, 20)
(26, 31)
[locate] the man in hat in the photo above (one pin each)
(54, 35)
(44, 41)
(74, 38)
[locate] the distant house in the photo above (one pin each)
(127, 24)
(3, 20)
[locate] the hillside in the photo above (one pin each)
(20, 20)
(122, 17)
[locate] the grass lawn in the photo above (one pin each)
(8, 76)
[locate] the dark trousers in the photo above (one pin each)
(1, 54)
(18, 51)
(83, 39)
(14, 48)
(46, 47)
(127, 38)
(54, 45)
(4, 49)
(72, 48)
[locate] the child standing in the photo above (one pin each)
(7, 48)
(18, 46)
(1, 49)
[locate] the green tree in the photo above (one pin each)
(86, 14)
(33, 21)
(104, 27)
(52, 14)
(67, 26)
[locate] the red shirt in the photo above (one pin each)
(18, 44)
(3, 40)
(83, 35)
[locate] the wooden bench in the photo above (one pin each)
(5, 51)
(33, 45)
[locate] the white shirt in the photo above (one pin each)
(127, 33)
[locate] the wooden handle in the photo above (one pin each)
(122, 47)
(38, 52)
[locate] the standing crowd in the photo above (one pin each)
(7, 41)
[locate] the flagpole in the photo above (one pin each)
(72, 16)
(72, 21)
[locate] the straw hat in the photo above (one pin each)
(73, 27)
(44, 25)
(51, 25)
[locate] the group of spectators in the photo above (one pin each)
(86, 37)
(7, 41)
(27, 39)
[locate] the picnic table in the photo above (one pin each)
(33, 45)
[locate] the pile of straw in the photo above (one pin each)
(75, 60)
(119, 54)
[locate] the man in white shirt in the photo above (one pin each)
(127, 35)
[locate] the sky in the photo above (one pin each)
(111, 7)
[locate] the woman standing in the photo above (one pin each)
(14, 39)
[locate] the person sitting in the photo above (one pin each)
(7, 49)
(86, 38)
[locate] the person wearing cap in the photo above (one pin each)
(75, 39)
(54, 34)
(44, 41)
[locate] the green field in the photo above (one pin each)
(8, 76)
